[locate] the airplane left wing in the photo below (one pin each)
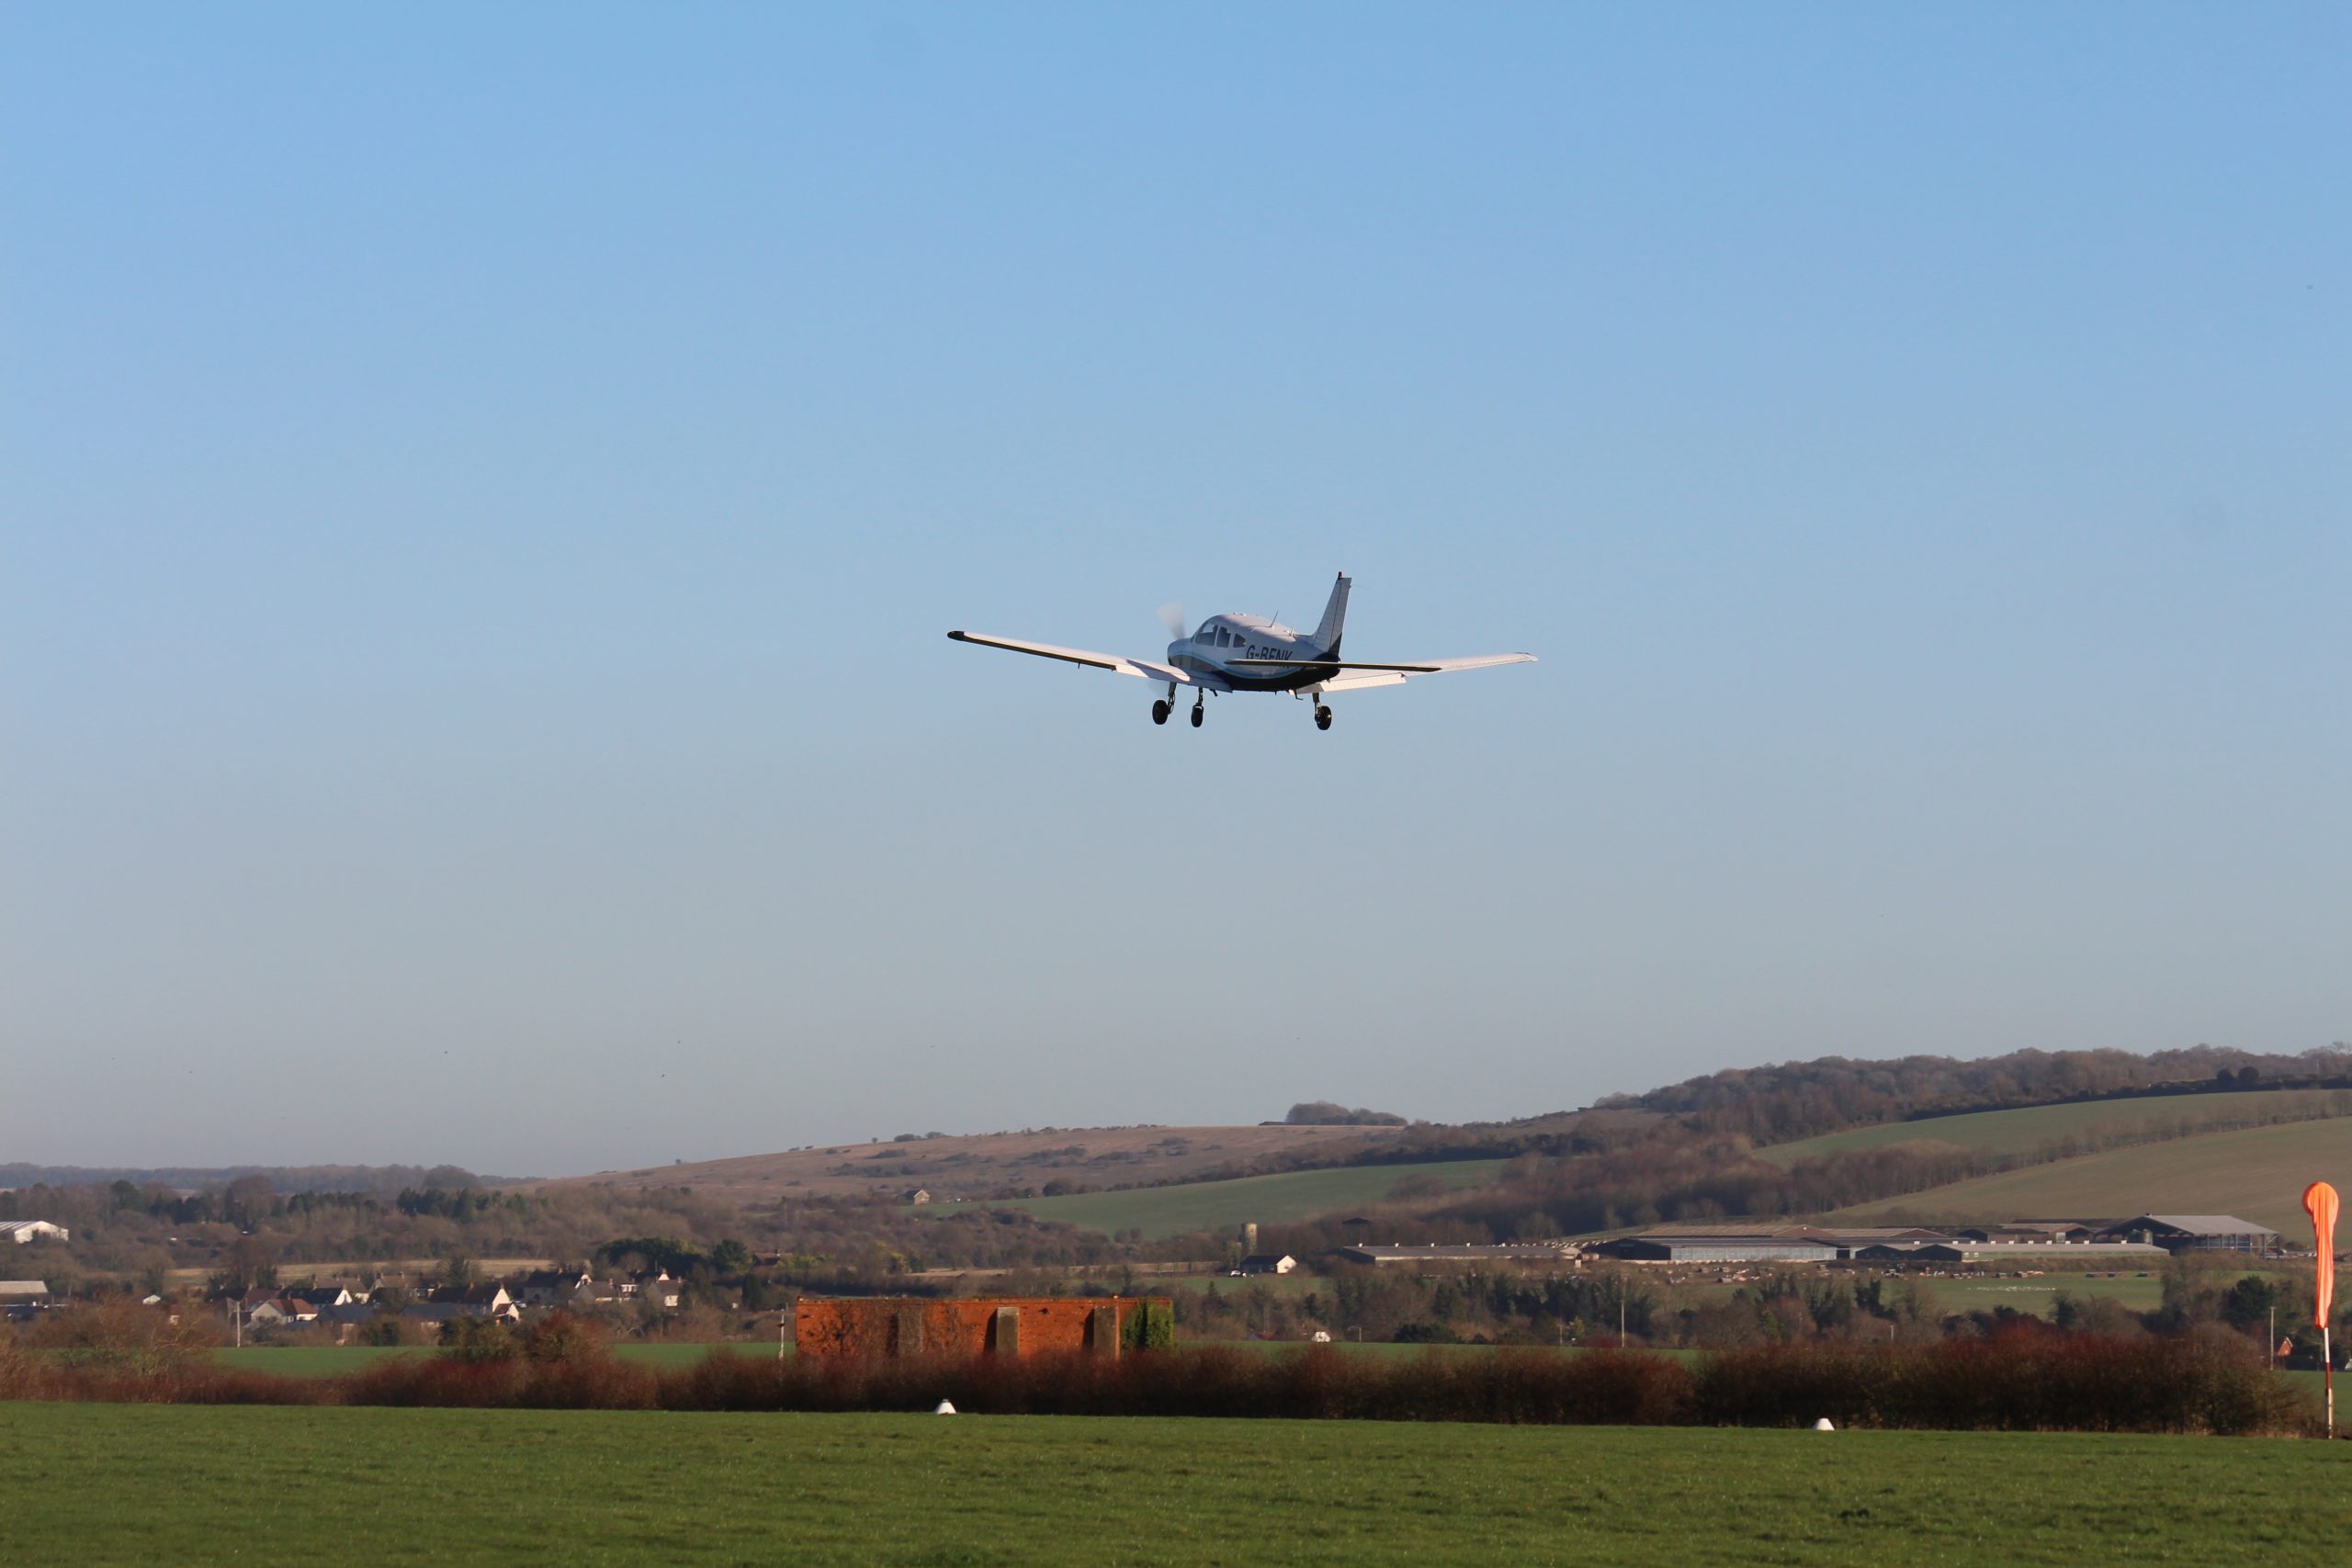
(1141, 669)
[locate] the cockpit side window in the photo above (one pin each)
(1206, 635)
(1224, 638)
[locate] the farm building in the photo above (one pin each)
(2036, 1231)
(1462, 1252)
(22, 1230)
(2193, 1232)
(1722, 1246)
(1765, 1244)
(1266, 1263)
(980, 1325)
(2009, 1252)
(13, 1290)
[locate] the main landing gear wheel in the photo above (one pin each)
(1159, 711)
(1322, 716)
(1200, 712)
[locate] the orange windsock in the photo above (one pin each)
(2318, 1203)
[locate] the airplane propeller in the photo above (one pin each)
(1173, 617)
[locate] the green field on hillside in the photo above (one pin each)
(2035, 1127)
(135, 1484)
(2258, 1174)
(1219, 1206)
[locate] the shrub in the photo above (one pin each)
(562, 1338)
(478, 1339)
(126, 1340)
(2016, 1380)
(1151, 1326)
(2011, 1382)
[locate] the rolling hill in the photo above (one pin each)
(2034, 1128)
(973, 1166)
(2257, 1173)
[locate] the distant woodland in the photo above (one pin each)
(1802, 1100)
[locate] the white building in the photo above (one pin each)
(22, 1230)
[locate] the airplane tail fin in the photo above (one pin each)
(1335, 615)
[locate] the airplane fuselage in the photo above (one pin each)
(1221, 640)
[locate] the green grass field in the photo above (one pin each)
(333, 1361)
(1226, 1205)
(2258, 1174)
(2140, 1292)
(2025, 1131)
(137, 1484)
(1976, 1293)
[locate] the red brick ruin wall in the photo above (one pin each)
(964, 1326)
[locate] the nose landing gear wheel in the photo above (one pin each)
(1158, 711)
(1200, 712)
(1322, 716)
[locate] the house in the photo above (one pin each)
(322, 1296)
(479, 1301)
(346, 1320)
(277, 1311)
(2193, 1232)
(1266, 1263)
(22, 1230)
(431, 1315)
(558, 1287)
(657, 1287)
(483, 1301)
(918, 1195)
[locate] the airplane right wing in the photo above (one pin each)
(1141, 669)
(1356, 677)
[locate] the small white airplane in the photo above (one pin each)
(1250, 653)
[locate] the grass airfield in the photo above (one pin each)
(113, 1483)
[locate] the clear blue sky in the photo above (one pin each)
(483, 489)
